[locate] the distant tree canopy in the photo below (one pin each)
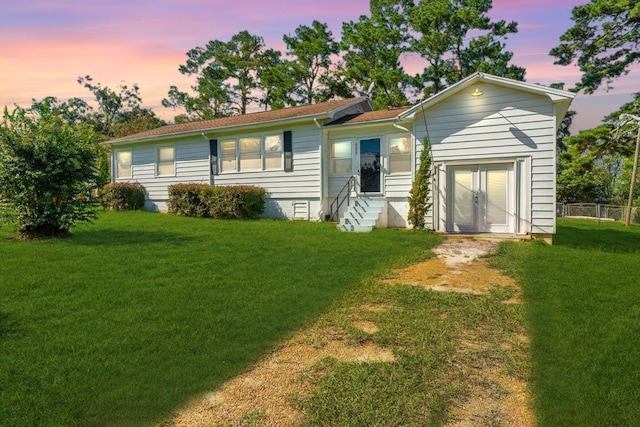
(454, 37)
(605, 41)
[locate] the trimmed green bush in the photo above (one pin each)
(122, 196)
(221, 202)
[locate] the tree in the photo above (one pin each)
(119, 112)
(227, 77)
(605, 41)
(442, 37)
(589, 170)
(47, 170)
(420, 193)
(373, 47)
(311, 50)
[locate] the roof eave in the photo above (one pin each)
(555, 95)
(324, 115)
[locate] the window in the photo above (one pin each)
(250, 158)
(400, 154)
(341, 162)
(123, 164)
(228, 149)
(273, 152)
(166, 161)
(253, 153)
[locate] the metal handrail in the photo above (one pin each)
(340, 198)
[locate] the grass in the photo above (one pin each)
(442, 342)
(583, 310)
(137, 313)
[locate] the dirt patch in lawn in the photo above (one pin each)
(266, 395)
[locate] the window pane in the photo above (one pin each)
(273, 160)
(165, 168)
(273, 144)
(228, 148)
(250, 161)
(249, 145)
(123, 160)
(341, 150)
(229, 164)
(399, 163)
(165, 154)
(496, 197)
(341, 166)
(166, 165)
(400, 145)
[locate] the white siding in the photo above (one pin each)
(502, 124)
(302, 183)
(191, 161)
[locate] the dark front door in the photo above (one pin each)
(370, 165)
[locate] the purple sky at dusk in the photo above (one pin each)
(46, 46)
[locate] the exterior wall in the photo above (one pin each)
(502, 125)
(287, 192)
(191, 165)
(395, 186)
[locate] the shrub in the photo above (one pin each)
(419, 196)
(122, 196)
(221, 202)
(47, 171)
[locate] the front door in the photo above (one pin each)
(480, 199)
(369, 168)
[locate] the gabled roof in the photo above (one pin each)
(561, 98)
(322, 111)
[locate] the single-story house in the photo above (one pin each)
(493, 147)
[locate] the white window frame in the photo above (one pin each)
(236, 140)
(223, 158)
(160, 147)
(117, 165)
(390, 138)
(259, 152)
(332, 158)
(280, 137)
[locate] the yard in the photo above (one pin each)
(139, 313)
(583, 312)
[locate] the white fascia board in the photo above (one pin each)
(555, 95)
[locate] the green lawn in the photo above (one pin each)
(583, 310)
(137, 313)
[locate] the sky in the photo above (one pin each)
(46, 45)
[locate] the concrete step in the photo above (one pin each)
(361, 215)
(355, 228)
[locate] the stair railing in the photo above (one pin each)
(334, 209)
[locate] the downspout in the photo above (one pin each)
(397, 126)
(320, 213)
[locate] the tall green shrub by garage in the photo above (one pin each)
(420, 194)
(122, 196)
(221, 202)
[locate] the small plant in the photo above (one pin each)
(420, 194)
(122, 196)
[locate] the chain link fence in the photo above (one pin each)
(596, 211)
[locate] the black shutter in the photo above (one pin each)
(288, 152)
(213, 156)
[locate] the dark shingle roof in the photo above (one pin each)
(243, 120)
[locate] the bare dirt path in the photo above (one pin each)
(263, 395)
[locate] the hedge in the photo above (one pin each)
(221, 202)
(122, 196)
